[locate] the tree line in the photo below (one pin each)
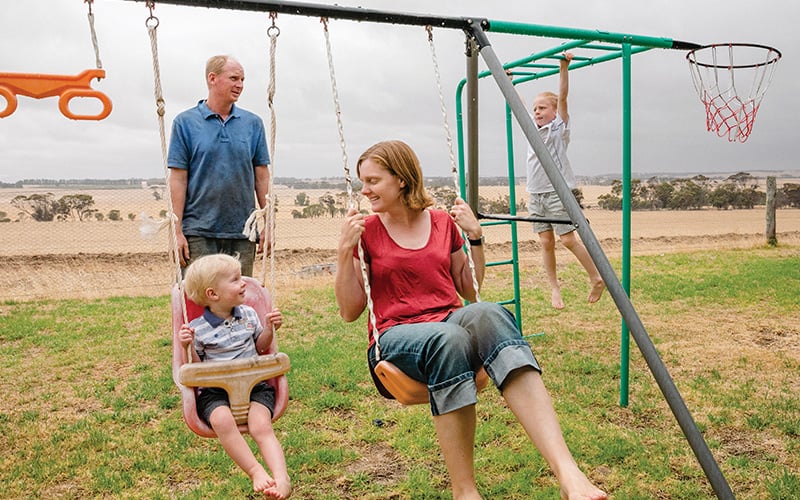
(44, 207)
(739, 191)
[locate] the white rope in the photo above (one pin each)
(453, 167)
(373, 322)
(273, 32)
(95, 44)
(152, 25)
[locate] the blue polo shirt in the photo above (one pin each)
(220, 157)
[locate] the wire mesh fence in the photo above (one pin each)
(110, 249)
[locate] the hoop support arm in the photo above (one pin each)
(460, 23)
(615, 288)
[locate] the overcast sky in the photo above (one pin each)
(386, 84)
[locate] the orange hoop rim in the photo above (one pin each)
(691, 56)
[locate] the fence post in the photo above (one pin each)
(772, 240)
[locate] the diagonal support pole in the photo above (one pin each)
(615, 289)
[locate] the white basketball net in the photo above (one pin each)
(731, 88)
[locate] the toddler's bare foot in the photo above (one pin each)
(555, 299)
(596, 291)
(261, 481)
(280, 491)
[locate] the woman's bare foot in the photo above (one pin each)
(262, 482)
(596, 291)
(279, 491)
(555, 299)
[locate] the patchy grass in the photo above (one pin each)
(90, 409)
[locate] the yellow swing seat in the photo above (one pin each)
(408, 391)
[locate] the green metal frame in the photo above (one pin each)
(531, 68)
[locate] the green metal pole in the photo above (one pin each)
(460, 134)
(624, 362)
(512, 210)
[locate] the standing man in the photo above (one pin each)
(218, 159)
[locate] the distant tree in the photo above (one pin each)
(329, 202)
(687, 196)
(661, 194)
(578, 194)
(743, 179)
(301, 200)
(4, 217)
(313, 211)
(75, 207)
(39, 207)
(131, 216)
(98, 216)
(791, 194)
(444, 196)
(114, 215)
(612, 200)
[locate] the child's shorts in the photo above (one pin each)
(210, 398)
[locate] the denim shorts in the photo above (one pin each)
(210, 398)
(244, 250)
(446, 355)
(548, 205)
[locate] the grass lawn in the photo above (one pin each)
(90, 410)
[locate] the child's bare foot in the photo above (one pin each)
(555, 299)
(261, 481)
(596, 291)
(279, 491)
(580, 488)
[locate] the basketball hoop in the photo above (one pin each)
(720, 81)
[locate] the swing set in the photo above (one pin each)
(729, 113)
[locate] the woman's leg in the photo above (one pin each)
(456, 433)
(526, 395)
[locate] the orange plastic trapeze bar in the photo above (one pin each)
(66, 87)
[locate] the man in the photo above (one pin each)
(218, 159)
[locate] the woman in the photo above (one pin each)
(417, 270)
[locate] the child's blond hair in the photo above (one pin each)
(205, 273)
(549, 97)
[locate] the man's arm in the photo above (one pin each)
(262, 185)
(261, 173)
(178, 183)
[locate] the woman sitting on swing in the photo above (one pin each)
(417, 269)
